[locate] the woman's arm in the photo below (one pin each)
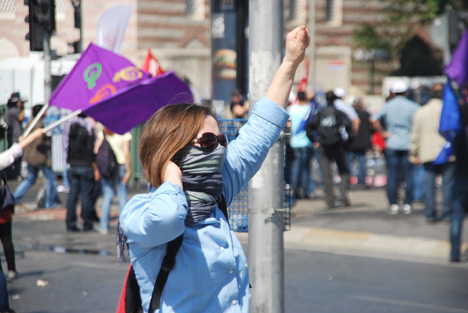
(26, 141)
(296, 44)
(247, 153)
(153, 219)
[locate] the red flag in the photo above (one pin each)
(302, 86)
(151, 65)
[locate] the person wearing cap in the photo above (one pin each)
(398, 113)
(14, 118)
(346, 109)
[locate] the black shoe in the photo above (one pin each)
(73, 229)
(455, 260)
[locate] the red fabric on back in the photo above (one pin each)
(121, 307)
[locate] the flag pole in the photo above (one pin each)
(35, 120)
(63, 119)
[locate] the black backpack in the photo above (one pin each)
(106, 160)
(130, 299)
(329, 124)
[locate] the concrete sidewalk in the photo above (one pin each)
(364, 229)
(367, 228)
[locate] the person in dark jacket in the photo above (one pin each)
(82, 172)
(460, 187)
(361, 142)
(14, 118)
(330, 124)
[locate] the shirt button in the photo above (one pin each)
(231, 271)
(246, 265)
(221, 248)
(234, 301)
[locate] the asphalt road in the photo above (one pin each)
(315, 282)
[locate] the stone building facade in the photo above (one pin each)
(178, 34)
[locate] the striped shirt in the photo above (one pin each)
(398, 114)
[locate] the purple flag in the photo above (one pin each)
(458, 67)
(97, 75)
(113, 91)
(135, 104)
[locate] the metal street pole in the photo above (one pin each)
(47, 75)
(311, 49)
(266, 189)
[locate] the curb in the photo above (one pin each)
(364, 242)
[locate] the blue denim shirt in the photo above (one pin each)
(210, 274)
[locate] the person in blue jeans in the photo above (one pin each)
(398, 114)
(303, 151)
(82, 172)
(37, 155)
(426, 145)
(460, 187)
(120, 145)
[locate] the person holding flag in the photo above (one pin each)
(426, 143)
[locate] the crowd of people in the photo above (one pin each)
(193, 176)
(340, 133)
(82, 138)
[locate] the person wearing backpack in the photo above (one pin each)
(192, 171)
(79, 138)
(325, 130)
(119, 146)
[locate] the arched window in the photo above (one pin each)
(334, 12)
(195, 9)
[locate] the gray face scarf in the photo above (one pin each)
(202, 180)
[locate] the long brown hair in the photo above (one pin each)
(166, 132)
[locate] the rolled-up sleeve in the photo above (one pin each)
(152, 219)
(246, 154)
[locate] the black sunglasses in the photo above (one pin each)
(209, 141)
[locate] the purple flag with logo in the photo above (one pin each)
(112, 90)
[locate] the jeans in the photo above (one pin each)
(66, 183)
(447, 171)
(460, 206)
(82, 182)
(108, 190)
(28, 182)
(398, 160)
(419, 182)
(327, 156)
(301, 171)
(361, 156)
(4, 304)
